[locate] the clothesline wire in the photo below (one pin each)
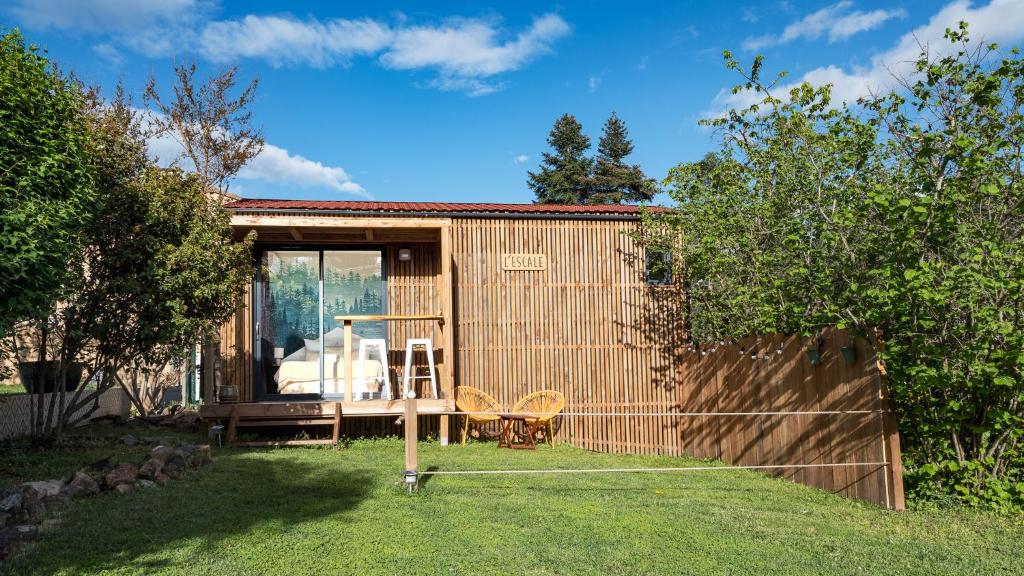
(661, 414)
(659, 469)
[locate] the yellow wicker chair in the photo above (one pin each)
(469, 399)
(546, 404)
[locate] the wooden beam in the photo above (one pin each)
(265, 443)
(320, 410)
(369, 234)
(337, 423)
(290, 221)
(233, 424)
(347, 360)
(411, 437)
(296, 233)
(448, 329)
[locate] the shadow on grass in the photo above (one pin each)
(152, 530)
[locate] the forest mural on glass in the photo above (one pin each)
(353, 284)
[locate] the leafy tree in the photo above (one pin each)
(903, 215)
(212, 126)
(614, 181)
(45, 180)
(564, 176)
(157, 269)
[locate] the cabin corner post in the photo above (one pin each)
(447, 327)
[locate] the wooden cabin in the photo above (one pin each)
(512, 298)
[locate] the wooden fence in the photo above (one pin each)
(736, 402)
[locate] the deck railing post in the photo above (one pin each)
(411, 434)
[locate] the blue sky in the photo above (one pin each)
(448, 101)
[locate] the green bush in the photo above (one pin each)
(899, 218)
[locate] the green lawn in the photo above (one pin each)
(324, 511)
(6, 388)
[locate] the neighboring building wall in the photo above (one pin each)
(16, 416)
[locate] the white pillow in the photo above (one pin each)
(336, 337)
(333, 339)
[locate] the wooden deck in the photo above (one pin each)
(322, 408)
(311, 413)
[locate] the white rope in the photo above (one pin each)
(661, 414)
(613, 470)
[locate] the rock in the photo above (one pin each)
(167, 454)
(174, 469)
(143, 483)
(162, 479)
(202, 455)
(150, 468)
(32, 508)
(3, 519)
(82, 485)
(21, 532)
(122, 474)
(56, 502)
(100, 465)
(11, 502)
(45, 488)
(174, 462)
(129, 440)
(125, 489)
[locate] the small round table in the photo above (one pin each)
(505, 438)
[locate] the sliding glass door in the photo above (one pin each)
(300, 347)
(353, 286)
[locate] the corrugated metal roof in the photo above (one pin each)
(432, 207)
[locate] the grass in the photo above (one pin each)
(6, 388)
(344, 511)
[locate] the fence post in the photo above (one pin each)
(411, 434)
(890, 429)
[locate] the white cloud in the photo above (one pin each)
(592, 83)
(287, 40)
(464, 52)
(100, 15)
(109, 53)
(470, 48)
(521, 158)
(275, 164)
(152, 28)
(834, 21)
(472, 87)
(1000, 21)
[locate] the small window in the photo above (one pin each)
(658, 267)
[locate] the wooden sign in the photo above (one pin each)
(524, 262)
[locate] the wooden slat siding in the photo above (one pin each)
(575, 327)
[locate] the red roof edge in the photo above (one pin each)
(449, 208)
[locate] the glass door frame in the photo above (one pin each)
(259, 377)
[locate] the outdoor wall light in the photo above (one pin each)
(404, 254)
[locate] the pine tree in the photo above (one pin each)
(564, 176)
(614, 181)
